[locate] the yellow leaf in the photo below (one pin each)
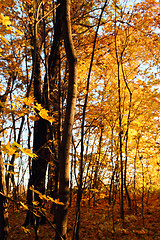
(36, 214)
(4, 39)
(43, 113)
(35, 203)
(5, 20)
(26, 230)
(56, 201)
(94, 190)
(24, 206)
(19, 32)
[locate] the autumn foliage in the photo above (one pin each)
(107, 60)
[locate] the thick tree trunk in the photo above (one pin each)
(61, 220)
(39, 165)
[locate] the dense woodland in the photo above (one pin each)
(80, 120)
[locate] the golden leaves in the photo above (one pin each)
(14, 148)
(4, 20)
(25, 150)
(9, 148)
(24, 206)
(43, 113)
(47, 198)
(4, 40)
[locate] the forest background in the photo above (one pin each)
(79, 105)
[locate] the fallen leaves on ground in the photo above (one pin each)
(96, 222)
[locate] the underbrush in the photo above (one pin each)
(98, 221)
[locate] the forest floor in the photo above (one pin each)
(97, 221)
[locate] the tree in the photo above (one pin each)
(69, 119)
(41, 126)
(3, 202)
(116, 114)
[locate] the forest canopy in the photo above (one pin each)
(79, 105)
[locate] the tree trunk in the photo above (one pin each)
(3, 202)
(39, 165)
(61, 219)
(3, 189)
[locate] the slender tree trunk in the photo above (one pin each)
(120, 144)
(126, 135)
(119, 117)
(95, 184)
(142, 190)
(125, 171)
(113, 172)
(135, 201)
(3, 202)
(71, 177)
(3, 189)
(79, 194)
(11, 166)
(135, 168)
(112, 184)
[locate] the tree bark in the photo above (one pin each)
(39, 165)
(3, 189)
(61, 220)
(120, 119)
(3, 202)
